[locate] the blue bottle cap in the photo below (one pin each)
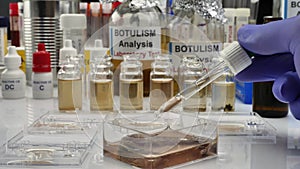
(3, 21)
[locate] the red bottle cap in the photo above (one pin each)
(13, 9)
(116, 4)
(41, 60)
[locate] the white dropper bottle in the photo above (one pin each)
(13, 78)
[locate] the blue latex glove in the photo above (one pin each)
(277, 45)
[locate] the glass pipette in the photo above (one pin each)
(232, 57)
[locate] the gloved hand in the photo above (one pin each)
(277, 45)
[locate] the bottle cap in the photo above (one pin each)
(106, 8)
(41, 60)
(236, 57)
(98, 51)
(242, 12)
(229, 12)
(67, 51)
(12, 59)
(95, 7)
(83, 5)
(3, 21)
(13, 9)
(115, 4)
(73, 21)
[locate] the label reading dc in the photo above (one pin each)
(15, 85)
(142, 41)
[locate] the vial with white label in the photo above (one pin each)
(135, 29)
(13, 78)
(131, 84)
(161, 81)
(42, 77)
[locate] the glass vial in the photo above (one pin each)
(13, 78)
(161, 81)
(42, 77)
(223, 93)
(3, 41)
(106, 14)
(135, 29)
(131, 84)
(74, 28)
(14, 24)
(69, 80)
(264, 102)
(101, 84)
(193, 69)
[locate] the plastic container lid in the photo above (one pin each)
(73, 21)
(41, 60)
(3, 21)
(13, 9)
(242, 12)
(236, 57)
(12, 59)
(229, 11)
(67, 51)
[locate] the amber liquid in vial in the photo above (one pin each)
(69, 94)
(161, 91)
(131, 94)
(197, 103)
(223, 96)
(101, 95)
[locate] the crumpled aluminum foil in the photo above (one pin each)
(137, 4)
(209, 9)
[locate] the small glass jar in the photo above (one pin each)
(131, 84)
(161, 81)
(70, 85)
(223, 93)
(101, 85)
(193, 69)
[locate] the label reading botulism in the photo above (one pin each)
(291, 8)
(142, 41)
(205, 51)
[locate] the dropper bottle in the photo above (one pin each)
(13, 78)
(232, 57)
(42, 77)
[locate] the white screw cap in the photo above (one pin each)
(98, 51)
(235, 57)
(67, 51)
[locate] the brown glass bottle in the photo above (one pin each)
(264, 102)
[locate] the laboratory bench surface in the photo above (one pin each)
(284, 154)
